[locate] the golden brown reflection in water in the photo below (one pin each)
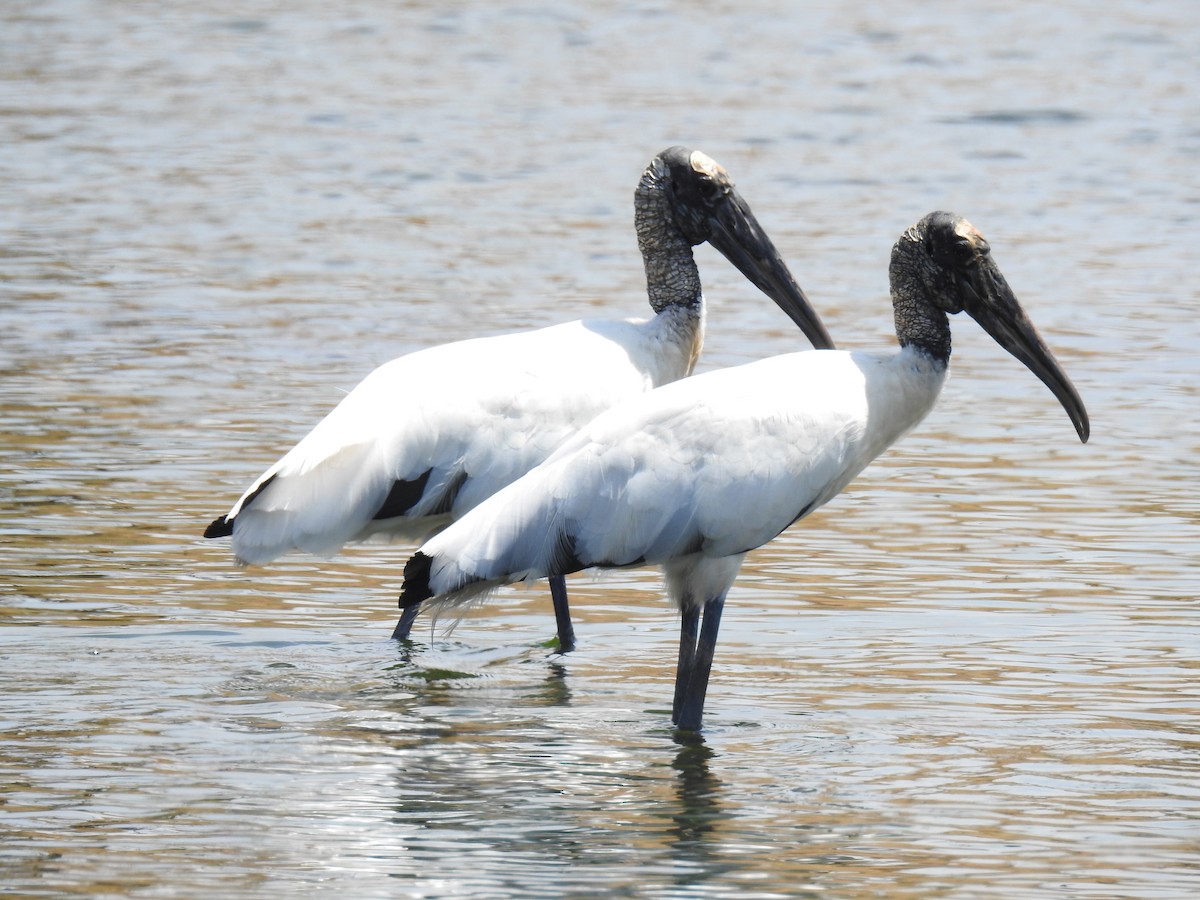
(974, 674)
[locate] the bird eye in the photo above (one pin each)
(709, 189)
(955, 252)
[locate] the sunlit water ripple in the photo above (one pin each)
(973, 675)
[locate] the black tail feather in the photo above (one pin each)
(416, 580)
(221, 527)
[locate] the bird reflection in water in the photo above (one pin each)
(552, 691)
(699, 806)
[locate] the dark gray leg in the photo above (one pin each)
(689, 628)
(562, 616)
(404, 626)
(691, 710)
(562, 613)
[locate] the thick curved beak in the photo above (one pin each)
(736, 233)
(990, 301)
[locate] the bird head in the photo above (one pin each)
(954, 265)
(706, 206)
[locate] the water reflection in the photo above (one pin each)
(698, 809)
(974, 673)
(555, 688)
(491, 784)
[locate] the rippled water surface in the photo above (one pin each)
(973, 675)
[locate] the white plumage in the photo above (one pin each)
(708, 467)
(693, 475)
(426, 437)
(482, 412)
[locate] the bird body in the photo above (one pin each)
(705, 468)
(426, 437)
(456, 423)
(696, 473)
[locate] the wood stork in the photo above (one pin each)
(426, 437)
(693, 475)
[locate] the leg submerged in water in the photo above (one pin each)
(562, 613)
(689, 631)
(404, 626)
(562, 616)
(695, 663)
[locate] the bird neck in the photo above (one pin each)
(919, 323)
(672, 279)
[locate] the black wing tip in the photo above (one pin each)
(416, 580)
(220, 527)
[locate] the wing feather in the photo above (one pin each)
(458, 421)
(716, 463)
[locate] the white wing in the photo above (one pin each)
(714, 465)
(429, 435)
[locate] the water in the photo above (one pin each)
(973, 675)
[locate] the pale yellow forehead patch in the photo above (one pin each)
(706, 165)
(966, 230)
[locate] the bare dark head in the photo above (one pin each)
(945, 262)
(700, 200)
(699, 186)
(943, 251)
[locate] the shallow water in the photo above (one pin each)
(974, 674)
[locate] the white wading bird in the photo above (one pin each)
(693, 475)
(426, 437)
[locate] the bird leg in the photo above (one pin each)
(689, 628)
(404, 626)
(688, 710)
(562, 613)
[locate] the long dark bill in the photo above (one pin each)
(991, 303)
(742, 241)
